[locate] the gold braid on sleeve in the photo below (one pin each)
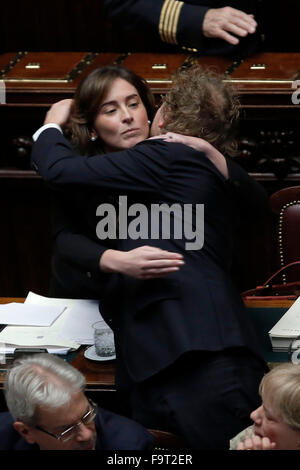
(168, 21)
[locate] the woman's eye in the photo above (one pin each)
(269, 418)
(134, 105)
(109, 111)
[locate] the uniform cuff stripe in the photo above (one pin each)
(168, 21)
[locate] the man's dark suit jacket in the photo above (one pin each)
(114, 432)
(196, 308)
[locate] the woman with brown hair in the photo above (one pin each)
(88, 100)
(112, 110)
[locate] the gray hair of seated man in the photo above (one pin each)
(38, 381)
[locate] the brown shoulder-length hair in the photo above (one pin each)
(201, 104)
(88, 96)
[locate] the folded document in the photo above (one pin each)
(287, 328)
(71, 328)
(29, 314)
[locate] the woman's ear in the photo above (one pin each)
(93, 135)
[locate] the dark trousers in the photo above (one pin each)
(205, 397)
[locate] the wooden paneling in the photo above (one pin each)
(25, 240)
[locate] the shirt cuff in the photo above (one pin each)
(43, 128)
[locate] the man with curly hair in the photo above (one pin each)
(201, 104)
(187, 351)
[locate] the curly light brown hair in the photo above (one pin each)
(201, 104)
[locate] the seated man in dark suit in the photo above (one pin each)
(49, 411)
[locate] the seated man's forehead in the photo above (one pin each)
(62, 417)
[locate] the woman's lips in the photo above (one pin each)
(129, 131)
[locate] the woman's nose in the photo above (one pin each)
(126, 115)
(256, 415)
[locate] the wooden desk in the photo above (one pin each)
(100, 376)
(261, 303)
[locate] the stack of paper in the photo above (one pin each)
(29, 315)
(287, 329)
(71, 328)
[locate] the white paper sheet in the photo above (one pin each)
(71, 329)
(38, 336)
(29, 315)
(35, 336)
(78, 324)
(77, 320)
(289, 324)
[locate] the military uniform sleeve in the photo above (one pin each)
(174, 21)
(179, 23)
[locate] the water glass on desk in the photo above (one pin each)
(104, 339)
